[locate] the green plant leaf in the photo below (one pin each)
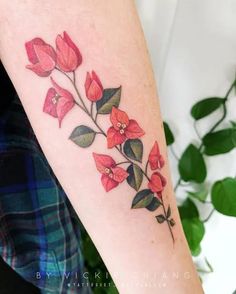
(83, 136)
(200, 195)
(220, 142)
(206, 107)
(233, 124)
(110, 98)
(223, 196)
(135, 177)
(192, 165)
(160, 218)
(168, 134)
(142, 199)
(194, 231)
(188, 209)
(192, 225)
(133, 148)
(196, 251)
(155, 203)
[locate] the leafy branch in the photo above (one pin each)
(84, 137)
(193, 169)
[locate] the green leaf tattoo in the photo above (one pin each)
(133, 148)
(83, 136)
(135, 177)
(110, 98)
(142, 199)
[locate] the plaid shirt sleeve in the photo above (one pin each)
(38, 237)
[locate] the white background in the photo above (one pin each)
(193, 50)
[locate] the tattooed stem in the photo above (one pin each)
(165, 213)
(78, 93)
(91, 109)
(146, 166)
(73, 81)
(122, 162)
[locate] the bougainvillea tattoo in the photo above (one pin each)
(124, 134)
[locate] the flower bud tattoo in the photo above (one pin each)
(124, 135)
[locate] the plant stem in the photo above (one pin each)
(146, 166)
(78, 93)
(196, 130)
(209, 216)
(73, 81)
(224, 112)
(210, 268)
(122, 162)
(91, 109)
(178, 184)
(164, 210)
(214, 126)
(200, 270)
(207, 202)
(173, 153)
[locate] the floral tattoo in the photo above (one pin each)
(123, 135)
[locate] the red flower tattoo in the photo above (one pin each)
(42, 57)
(155, 159)
(157, 183)
(93, 87)
(58, 102)
(68, 54)
(112, 175)
(100, 102)
(122, 128)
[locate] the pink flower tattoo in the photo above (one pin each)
(42, 57)
(112, 175)
(155, 158)
(123, 136)
(93, 87)
(122, 128)
(68, 54)
(58, 102)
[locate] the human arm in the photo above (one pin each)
(131, 241)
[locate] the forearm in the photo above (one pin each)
(131, 241)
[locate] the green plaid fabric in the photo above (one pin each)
(39, 230)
